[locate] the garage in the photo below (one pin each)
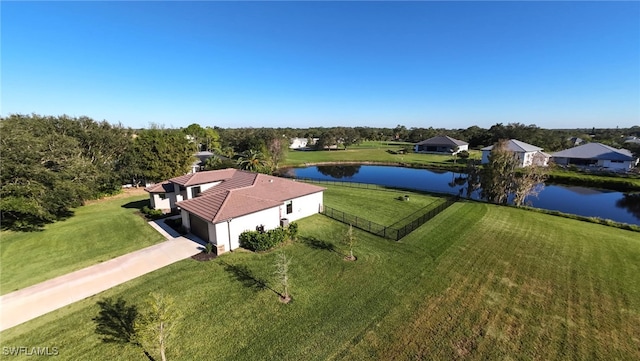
(199, 227)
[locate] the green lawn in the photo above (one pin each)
(476, 282)
(96, 233)
(374, 152)
(383, 207)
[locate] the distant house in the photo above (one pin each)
(632, 140)
(574, 141)
(298, 143)
(596, 155)
(217, 206)
(527, 154)
(201, 159)
(441, 144)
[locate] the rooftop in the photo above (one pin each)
(515, 145)
(595, 151)
(242, 193)
(442, 140)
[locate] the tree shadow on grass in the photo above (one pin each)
(115, 323)
(136, 204)
(316, 243)
(243, 274)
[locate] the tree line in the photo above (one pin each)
(52, 164)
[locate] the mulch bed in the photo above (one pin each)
(203, 257)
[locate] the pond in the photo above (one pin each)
(589, 202)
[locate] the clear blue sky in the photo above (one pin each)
(302, 64)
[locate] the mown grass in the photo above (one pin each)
(97, 232)
(476, 282)
(376, 152)
(383, 207)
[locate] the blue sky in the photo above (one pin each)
(303, 64)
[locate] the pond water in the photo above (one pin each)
(589, 202)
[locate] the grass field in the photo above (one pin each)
(97, 232)
(374, 152)
(476, 282)
(381, 206)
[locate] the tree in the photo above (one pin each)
(282, 275)
(529, 182)
(158, 154)
(154, 327)
(463, 154)
(350, 240)
(252, 161)
(497, 177)
(277, 151)
(53, 164)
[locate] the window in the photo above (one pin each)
(617, 161)
(162, 196)
(289, 205)
(195, 191)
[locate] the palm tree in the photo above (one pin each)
(251, 160)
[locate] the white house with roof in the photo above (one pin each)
(299, 143)
(596, 155)
(527, 154)
(217, 206)
(441, 144)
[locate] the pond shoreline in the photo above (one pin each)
(620, 184)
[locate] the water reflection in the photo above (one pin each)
(339, 171)
(588, 202)
(631, 203)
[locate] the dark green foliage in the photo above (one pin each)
(153, 213)
(208, 248)
(293, 230)
(157, 155)
(463, 154)
(115, 322)
(262, 241)
(53, 164)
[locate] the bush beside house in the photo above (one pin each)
(266, 240)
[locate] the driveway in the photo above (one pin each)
(28, 303)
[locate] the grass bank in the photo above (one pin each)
(478, 281)
(97, 232)
(376, 152)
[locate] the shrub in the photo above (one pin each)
(208, 248)
(262, 241)
(152, 213)
(293, 230)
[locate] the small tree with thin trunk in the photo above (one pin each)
(282, 275)
(155, 325)
(350, 240)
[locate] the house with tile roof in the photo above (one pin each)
(441, 144)
(527, 154)
(596, 155)
(217, 206)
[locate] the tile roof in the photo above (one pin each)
(515, 145)
(442, 140)
(193, 179)
(595, 151)
(164, 187)
(244, 193)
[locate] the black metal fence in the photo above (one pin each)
(384, 231)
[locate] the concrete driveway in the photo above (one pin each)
(28, 303)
